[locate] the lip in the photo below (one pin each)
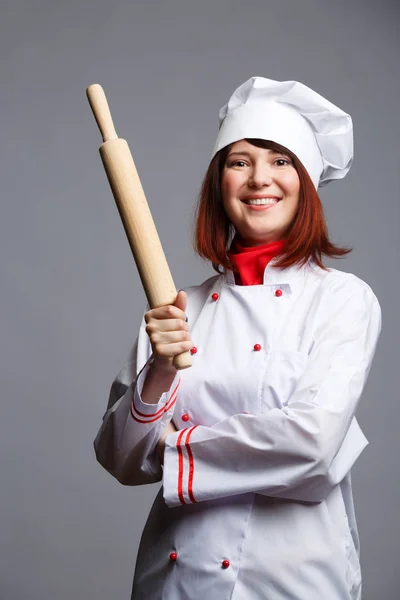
(259, 197)
(259, 207)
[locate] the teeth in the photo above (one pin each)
(262, 201)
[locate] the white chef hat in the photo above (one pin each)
(293, 115)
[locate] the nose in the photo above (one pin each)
(260, 176)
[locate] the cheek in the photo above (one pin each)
(231, 182)
(228, 188)
(291, 182)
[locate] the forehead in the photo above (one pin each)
(242, 146)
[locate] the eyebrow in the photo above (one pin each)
(245, 153)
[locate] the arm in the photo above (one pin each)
(126, 444)
(301, 451)
(143, 397)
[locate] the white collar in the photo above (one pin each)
(291, 276)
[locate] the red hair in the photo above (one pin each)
(306, 238)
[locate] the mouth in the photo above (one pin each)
(264, 201)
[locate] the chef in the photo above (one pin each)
(254, 444)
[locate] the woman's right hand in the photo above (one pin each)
(169, 332)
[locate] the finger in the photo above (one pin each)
(166, 325)
(171, 350)
(169, 337)
(168, 311)
(181, 300)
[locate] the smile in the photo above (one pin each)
(261, 201)
(260, 204)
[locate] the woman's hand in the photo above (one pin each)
(168, 332)
(170, 428)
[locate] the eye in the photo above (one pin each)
(285, 162)
(237, 163)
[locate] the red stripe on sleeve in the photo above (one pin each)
(180, 469)
(191, 465)
(157, 415)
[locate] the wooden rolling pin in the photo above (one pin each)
(135, 212)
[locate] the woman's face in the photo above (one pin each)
(260, 193)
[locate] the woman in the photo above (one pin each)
(255, 442)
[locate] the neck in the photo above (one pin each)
(250, 261)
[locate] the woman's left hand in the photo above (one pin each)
(170, 428)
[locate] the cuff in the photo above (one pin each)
(178, 469)
(149, 413)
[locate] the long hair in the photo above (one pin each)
(307, 237)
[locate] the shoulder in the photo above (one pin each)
(202, 288)
(342, 287)
(197, 295)
(348, 282)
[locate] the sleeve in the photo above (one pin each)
(126, 444)
(299, 452)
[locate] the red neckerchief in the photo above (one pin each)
(251, 262)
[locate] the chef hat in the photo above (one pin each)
(293, 115)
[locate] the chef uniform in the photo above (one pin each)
(256, 499)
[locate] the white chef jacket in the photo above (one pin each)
(256, 500)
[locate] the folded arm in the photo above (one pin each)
(302, 450)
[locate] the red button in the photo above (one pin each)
(215, 297)
(257, 347)
(185, 417)
(193, 350)
(173, 556)
(225, 564)
(278, 293)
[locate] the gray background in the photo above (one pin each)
(71, 297)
